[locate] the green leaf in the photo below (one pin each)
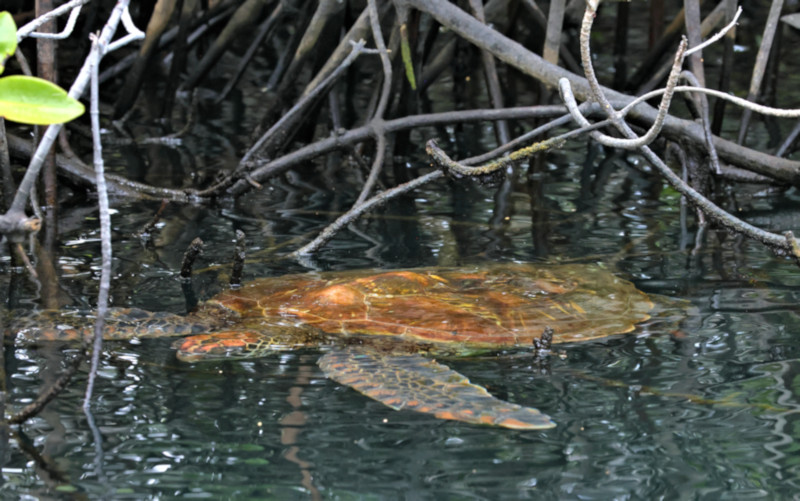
(8, 38)
(256, 461)
(36, 101)
(405, 53)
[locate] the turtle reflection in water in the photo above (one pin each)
(381, 329)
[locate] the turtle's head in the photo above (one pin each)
(217, 346)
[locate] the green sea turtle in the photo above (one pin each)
(380, 330)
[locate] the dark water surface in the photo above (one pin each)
(708, 408)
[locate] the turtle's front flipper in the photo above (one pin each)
(423, 385)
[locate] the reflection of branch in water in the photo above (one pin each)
(5, 450)
(786, 397)
(44, 465)
(291, 426)
(98, 445)
(636, 389)
(55, 440)
(52, 390)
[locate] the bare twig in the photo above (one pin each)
(758, 108)
(704, 116)
(656, 77)
(264, 30)
(728, 8)
(247, 13)
(518, 57)
(490, 71)
(794, 247)
(441, 158)
(711, 210)
(787, 143)
(105, 222)
(586, 108)
(133, 34)
(74, 6)
(24, 258)
(773, 21)
(77, 89)
(292, 115)
(98, 444)
(279, 165)
(721, 33)
(552, 38)
(693, 34)
(5, 169)
(376, 123)
(215, 16)
(124, 187)
(663, 108)
(357, 211)
(145, 232)
(88, 71)
(195, 249)
(119, 185)
(358, 31)
(17, 228)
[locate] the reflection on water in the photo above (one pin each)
(704, 409)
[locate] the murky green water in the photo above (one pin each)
(705, 410)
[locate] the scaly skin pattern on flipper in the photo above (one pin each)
(413, 382)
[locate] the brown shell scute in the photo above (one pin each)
(482, 306)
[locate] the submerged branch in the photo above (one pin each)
(357, 211)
